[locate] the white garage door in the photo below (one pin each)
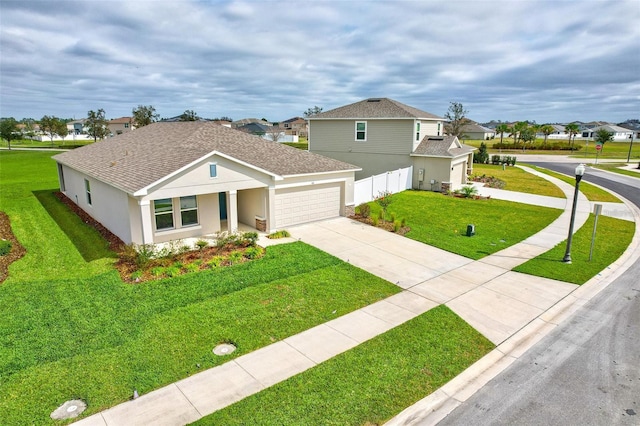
(306, 204)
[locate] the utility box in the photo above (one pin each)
(471, 230)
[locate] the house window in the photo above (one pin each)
(163, 210)
(87, 188)
(213, 170)
(63, 187)
(439, 128)
(126, 125)
(417, 131)
(189, 210)
(361, 130)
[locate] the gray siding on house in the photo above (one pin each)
(388, 144)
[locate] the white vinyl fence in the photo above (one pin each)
(368, 189)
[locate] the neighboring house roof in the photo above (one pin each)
(244, 121)
(441, 146)
(121, 120)
(475, 128)
(612, 128)
(375, 108)
(135, 160)
(292, 120)
(254, 128)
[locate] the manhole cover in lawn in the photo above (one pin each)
(224, 349)
(69, 410)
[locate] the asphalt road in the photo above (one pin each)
(587, 371)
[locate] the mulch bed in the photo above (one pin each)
(387, 226)
(17, 250)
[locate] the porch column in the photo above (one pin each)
(232, 211)
(145, 221)
(271, 209)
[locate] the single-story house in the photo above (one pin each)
(174, 180)
(475, 131)
(381, 135)
(620, 134)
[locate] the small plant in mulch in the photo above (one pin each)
(489, 181)
(279, 234)
(399, 226)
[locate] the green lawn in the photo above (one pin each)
(300, 145)
(518, 180)
(68, 143)
(592, 192)
(70, 328)
(441, 221)
(615, 168)
(587, 150)
(370, 383)
(613, 236)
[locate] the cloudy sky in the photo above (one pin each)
(549, 61)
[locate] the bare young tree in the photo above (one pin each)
(274, 133)
(456, 115)
(312, 111)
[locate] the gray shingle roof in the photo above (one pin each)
(442, 146)
(135, 160)
(475, 128)
(376, 108)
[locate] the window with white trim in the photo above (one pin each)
(361, 130)
(439, 128)
(213, 170)
(87, 188)
(189, 210)
(417, 131)
(163, 211)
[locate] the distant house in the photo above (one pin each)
(245, 121)
(121, 125)
(476, 131)
(76, 127)
(620, 134)
(175, 180)
(381, 135)
(254, 128)
(295, 126)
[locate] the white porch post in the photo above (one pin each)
(145, 219)
(271, 209)
(232, 213)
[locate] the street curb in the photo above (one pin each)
(436, 406)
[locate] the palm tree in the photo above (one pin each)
(502, 129)
(546, 130)
(572, 129)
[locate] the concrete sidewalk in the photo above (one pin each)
(501, 304)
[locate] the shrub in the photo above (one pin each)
(201, 244)
(513, 161)
(363, 210)
(384, 200)
(375, 219)
(235, 257)
(192, 267)
(216, 261)
(251, 238)
(393, 217)
(5, 247)
(469, 191)
(403, 222)
(279, 234)
(224, 238)
(172, 271)
(397, 225)
(136, 275)
(495, 159)
(253, 252)
(157, 271)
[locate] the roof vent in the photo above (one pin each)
(373, 100)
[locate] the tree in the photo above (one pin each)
(602, 136)
(572, 130)
(517, 129)
(274, 133)
(456, 114)
(482, 156)
(528, 134)
(48, 125)
(312, 111)
(189, 115)
(8, 130)
(60, 129)
(546, 130)
(144, 115)
(97, 125)
(502, 129)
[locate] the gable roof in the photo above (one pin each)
(612, 128)
(441, 146)
(293, 119)
(135, 160)
(473, 127)
(121, 120)
(376, 108)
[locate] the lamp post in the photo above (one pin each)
(630, 146)
(579, 174)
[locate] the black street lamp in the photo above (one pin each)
(630, 146)
(579, 174)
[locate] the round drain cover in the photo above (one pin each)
(69, 410)
(224, 349)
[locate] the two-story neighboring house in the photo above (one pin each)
(381, 135)
(121, 125)
(295, 126)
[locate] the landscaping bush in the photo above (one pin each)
(216, 261)
(495, 159)
(363, 210)
(254, 252)
(5, 247)
(235, 256)
(250, 238)
(279, 234)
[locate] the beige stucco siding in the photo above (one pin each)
(109, 206)
(252, 203)
(440, 170)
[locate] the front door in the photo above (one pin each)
(222, 200)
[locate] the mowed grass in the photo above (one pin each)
(613, 236)
(615, 168)
(592, 192)
(441, 221)
(370, 383)
(587, 149)
(518, 180)
(70, 328)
